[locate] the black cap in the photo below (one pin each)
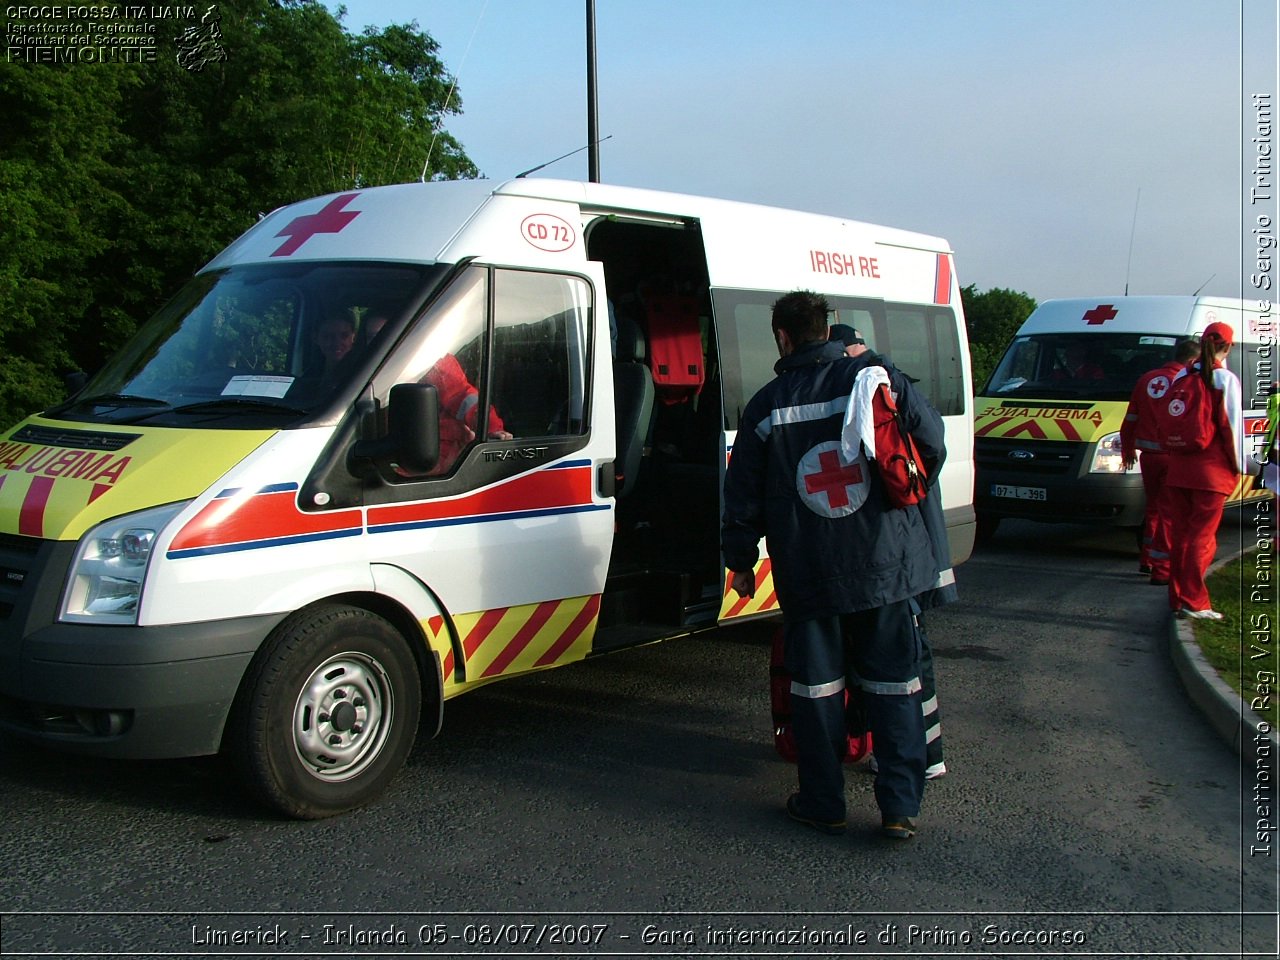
(845, 334)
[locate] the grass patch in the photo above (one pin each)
(1242, 648)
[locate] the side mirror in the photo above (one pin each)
(413, 430)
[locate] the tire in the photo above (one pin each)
(327, 712)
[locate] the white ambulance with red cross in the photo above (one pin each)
(397, 443)
(1047, 423)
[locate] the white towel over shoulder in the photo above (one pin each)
(859, 425)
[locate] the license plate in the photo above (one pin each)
(1018, 493)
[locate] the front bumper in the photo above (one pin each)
(114, 691)
(1071, 494)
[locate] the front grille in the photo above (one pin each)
(17, 557)
(1030, 457)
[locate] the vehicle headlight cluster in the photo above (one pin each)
(1108, 458)
(110, 567)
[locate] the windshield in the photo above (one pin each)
(1073, 365)
(251, 346)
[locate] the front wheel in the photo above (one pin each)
(327, 712)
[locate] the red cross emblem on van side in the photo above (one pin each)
(1099, 314)
(330, 219)
(833, 479)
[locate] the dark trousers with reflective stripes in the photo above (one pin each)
(929, 703)
(878, 650)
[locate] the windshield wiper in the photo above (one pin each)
(224, 403)
(1040, 391)
(117, 400)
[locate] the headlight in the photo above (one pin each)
(110, 566)
(1107, 458)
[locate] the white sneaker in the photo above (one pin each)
(1201, 614)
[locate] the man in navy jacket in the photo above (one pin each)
(847, 566)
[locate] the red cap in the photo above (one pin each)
(1218, 331)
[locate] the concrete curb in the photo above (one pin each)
(1226, 712)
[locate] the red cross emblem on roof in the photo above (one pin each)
(1099, 314)
(330, 219)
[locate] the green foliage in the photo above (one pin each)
(992, 318)
(119, 180)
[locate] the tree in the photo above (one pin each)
(59, 199)
(120, 180)
(991, 319)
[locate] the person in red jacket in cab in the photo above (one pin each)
(1198, 483)
(459, 413)
(1140, 443)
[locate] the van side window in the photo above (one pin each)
(1254, 364)
(540, 343)
(923, 343)
(747, 348)
(451, 357)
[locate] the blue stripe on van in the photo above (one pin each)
(262, 544)
(487, 518)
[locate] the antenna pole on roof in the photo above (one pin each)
(1132, 230)
(558, 159)
(593, 117)
(1203, 285)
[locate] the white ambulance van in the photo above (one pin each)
(397, 443)
(1047, 423)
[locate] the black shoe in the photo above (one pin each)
(898, 828)
(1143, 568)
(1159, 581)
(823, 826)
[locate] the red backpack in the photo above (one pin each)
(901, 467)
(1189, 413)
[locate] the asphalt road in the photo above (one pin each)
(633, 804)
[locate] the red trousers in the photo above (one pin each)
(1193, 517)
(1155, 524)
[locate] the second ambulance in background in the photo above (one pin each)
(1047, 423)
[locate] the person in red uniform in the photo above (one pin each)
(1140, 433)
(1078, 365)
(1197, 484)
(459, 400)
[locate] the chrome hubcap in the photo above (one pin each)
(342, 717)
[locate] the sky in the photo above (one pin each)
(1074, 148)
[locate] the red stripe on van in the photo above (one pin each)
(1068, 428)
(580, 623)
(262, 516)
(541, 490)
(31, 519)
(988, 427)
(484, 626)
(541, 614)
(942, 281)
